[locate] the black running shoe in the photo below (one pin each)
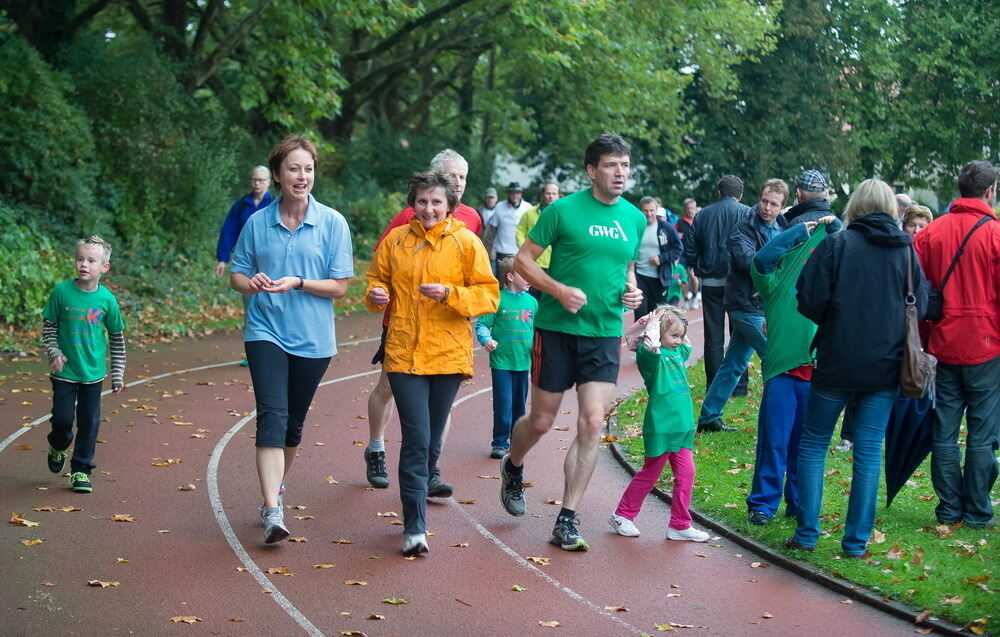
(511, 489)
(437, 488)
(375, 469)
(57, 460)
(566, 537)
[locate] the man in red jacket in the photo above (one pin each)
(966, 342)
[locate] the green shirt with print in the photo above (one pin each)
(592, 245)
(81, 319)
(669, 421)
(511, 327)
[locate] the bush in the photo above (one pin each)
(32, 263)
(46, 146)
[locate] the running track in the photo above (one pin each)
(198, 553)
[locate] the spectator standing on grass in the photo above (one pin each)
(290, 262)
(966, 342)
(508, 336)
(659, 250)
(74, 321)
(242, 208)
(787, 368)
(743, 302)
(706, 250)
(667, 428)
(853, 287)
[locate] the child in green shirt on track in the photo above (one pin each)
(75, 317)
(678, 285)
(508, 336)
(668, 427)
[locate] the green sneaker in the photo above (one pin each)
(80, 482)
(566, 537)
(57, 460)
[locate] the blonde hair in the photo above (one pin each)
(916, 211)
(669, 316)
(871, 195)
(94, 240)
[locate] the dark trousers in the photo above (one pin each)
(510, 391)
(972, 390)
(85, 401)
(283, 388)
(713, 314)
(423, 403)
(652, 294)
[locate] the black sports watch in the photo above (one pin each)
(302, 282)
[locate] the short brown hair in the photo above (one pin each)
(776, 185)
(283, 148)
(430, 179)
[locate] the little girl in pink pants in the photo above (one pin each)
(668, 428)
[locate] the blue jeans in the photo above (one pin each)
(871, 417)
(779, 428)
(510, 390)
(748, 336)
(975, 391)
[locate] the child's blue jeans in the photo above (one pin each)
(510, 391)
(85, 401)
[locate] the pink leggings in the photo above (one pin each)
(682, 464)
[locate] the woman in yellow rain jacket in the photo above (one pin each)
(437, 275)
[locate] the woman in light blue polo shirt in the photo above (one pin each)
(292, 258)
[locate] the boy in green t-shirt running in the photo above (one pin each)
(75, 317)
(508, 335)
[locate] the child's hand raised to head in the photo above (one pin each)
(56, 364)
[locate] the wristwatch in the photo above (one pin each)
(302, 282)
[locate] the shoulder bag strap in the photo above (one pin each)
(910, 299)
(961, 249)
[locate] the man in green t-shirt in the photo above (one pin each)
(595, 237)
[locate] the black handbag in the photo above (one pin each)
(935, 298)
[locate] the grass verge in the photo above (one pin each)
(951, 572)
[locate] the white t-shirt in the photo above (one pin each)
(504, 219)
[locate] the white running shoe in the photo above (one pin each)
(623, 526)
(414, 544)
(274, 526)
(689, 534)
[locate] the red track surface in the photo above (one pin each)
(175, 560)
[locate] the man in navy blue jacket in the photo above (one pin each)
(260, 180)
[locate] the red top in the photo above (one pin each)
(969, 331)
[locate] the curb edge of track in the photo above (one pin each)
(842, 586)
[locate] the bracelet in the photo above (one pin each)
(302, 282)
(447, 292)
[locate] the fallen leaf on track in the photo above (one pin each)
(279, 570)
(304, 517)
(330, 480)
(767, 615)
(759, 565)
(186, 619)
(31, 542)
(616, 609)
(237, 619)
(187, 487)
(341, 541)
(375, 617)
(549, 624)
(489, 477)
(466, 501)
(122, 517)
(297, 539)
(541, 561)
(99, 584)
(395, 601)
(24, 446)
(355, 582)
(460, 545)
(518, 588)
(388, 514)
(322, 565)
(16, 519)
(47, 584)
(551, 501)
(352, 633)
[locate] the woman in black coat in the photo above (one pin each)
(853, 287)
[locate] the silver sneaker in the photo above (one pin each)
(274, 525)
(281, 504)
(414, 544)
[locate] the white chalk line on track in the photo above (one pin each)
(27, 427)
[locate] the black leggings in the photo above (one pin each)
(283, 387)
(84, 400)
(424, 403)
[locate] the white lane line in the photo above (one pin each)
(525, 563)
(27, 427)
(227, 529)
